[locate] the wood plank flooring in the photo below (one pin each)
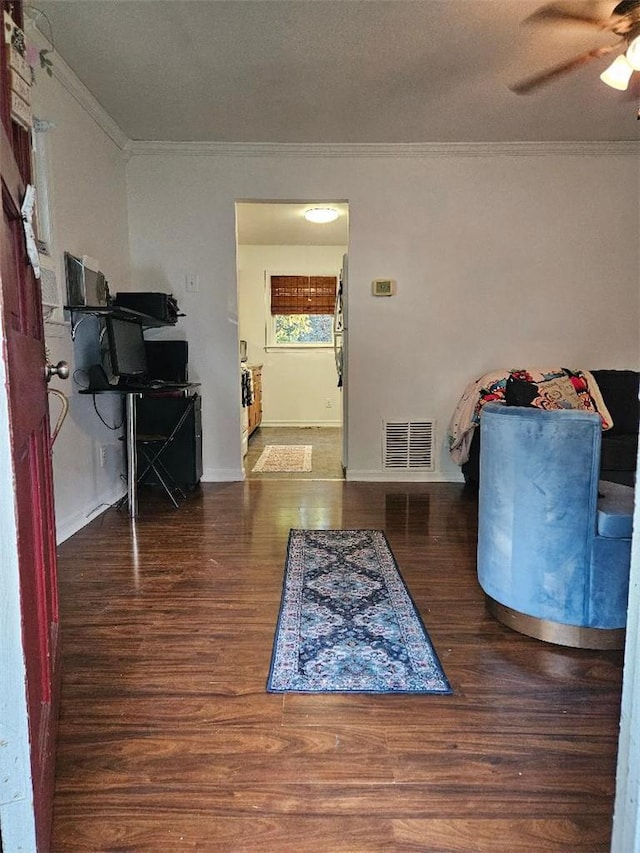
(169, 742)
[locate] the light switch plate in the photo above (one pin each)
(192, 284)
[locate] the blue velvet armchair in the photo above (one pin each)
(554, 543)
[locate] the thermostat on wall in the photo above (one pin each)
(383, 287)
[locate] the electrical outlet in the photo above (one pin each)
(329, 404)
(103, 456)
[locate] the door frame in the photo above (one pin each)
(299, 202)
(17, 817)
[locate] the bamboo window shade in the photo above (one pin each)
(303, 294)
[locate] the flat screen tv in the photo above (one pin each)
(126, 348)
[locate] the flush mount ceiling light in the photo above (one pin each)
(321, 214)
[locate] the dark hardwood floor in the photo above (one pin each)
(169, 742)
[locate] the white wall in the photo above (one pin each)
(500, 261)
(89, 217)
(297, 384)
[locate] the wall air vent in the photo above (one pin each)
(408, 445)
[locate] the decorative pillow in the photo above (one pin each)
(567, 391)
(520, 392)
(556, 393)
(591, 399)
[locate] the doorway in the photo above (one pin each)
(289, 356)
(326, 453)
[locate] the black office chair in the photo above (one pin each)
(152, 447)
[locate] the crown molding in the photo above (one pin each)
(68, 79)
(70, 82)
(418, 149)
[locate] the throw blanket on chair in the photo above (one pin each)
(582, 393)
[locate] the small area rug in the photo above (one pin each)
(288, 458)
(347, 622)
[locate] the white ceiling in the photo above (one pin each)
(333, 71)
(336, 71)
(283, 224)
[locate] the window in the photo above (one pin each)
(301, 310)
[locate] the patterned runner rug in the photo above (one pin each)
(347, 623)
(287, 458)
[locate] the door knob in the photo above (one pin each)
(61, 370)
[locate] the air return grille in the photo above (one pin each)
(409, 444)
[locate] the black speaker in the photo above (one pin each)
(98, 380)
(183, 457)
(168, 360)
(162, 306)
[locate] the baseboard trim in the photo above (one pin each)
(301, 424)
(222, 475)
(65, 528)
(402, 476)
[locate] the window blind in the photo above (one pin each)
(303, 294)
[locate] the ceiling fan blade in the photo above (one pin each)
(569, 13)
(523, 87)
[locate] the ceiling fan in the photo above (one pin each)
(624, 21)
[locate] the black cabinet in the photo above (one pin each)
(183, 456)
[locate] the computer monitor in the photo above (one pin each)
(126, 348)
(168, 360)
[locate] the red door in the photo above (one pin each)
(34, 546)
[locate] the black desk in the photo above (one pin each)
(131, 431)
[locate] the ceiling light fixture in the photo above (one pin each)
(321, 214)
(618, 74)
(633, 54)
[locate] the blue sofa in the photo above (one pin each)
(554, 541)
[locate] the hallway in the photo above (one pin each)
(326, 461)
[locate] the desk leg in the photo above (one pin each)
(132, 494)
